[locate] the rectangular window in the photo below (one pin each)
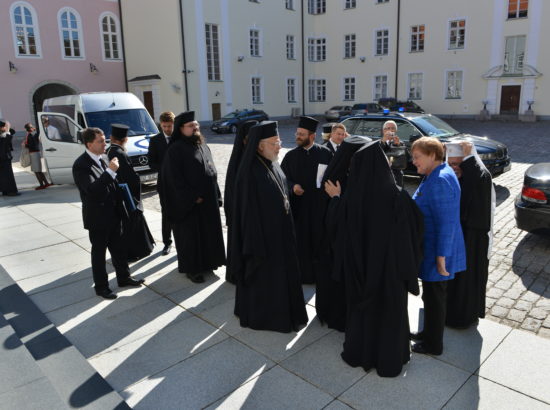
(415, 86)
(457, 34)
(317, 90)
(255, 43)
(350, 4)
(417, 38)
(316, 49)
(382, 42)
(454, 85)
(212, 52)
(517, 8)
(256, 90)
(349, 89)
(290, 51)
(514, 55)
(380, 87)
(289, 4)
(316, 6)
(349, 46)
(291, 90)
(382, 1)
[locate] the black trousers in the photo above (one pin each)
(434, 296)
(166, 230)
(101, 240)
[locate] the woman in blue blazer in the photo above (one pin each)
(438, 197)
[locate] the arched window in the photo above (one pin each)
(110, 37)
(70, 31)
(25, 30)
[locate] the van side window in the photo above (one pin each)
(80, 120)
(59, 128)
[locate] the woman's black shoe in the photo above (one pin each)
(416, 336)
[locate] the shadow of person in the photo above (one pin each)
(529, 261)
(502, 193)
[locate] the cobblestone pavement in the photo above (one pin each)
(518, 292)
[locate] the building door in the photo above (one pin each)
(148, 102)
(509, 99)
(216, 111)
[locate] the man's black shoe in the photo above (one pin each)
(166, 250)
(131, 282)
(423, 349)
(416, 336)
(196, 278)
(106, 294)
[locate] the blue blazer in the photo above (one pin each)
(438, 197)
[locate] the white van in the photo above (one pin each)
(63, 117)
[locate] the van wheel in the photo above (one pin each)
(234, 129)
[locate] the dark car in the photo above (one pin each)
(334, 113)
(411, 126)
(532, 206)
(230, 122)
(365, 108)
(401, 106)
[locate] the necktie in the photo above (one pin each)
(102, 163)
(336, 148)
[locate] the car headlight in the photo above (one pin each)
(223, 124)
(488, 156)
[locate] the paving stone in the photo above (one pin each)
(544, 332)
(532, 325)
(530, 296)
(503, 284)
(489, 302)
(505, 302)
(495, 293)
(516, 315)
(499, 311)
(538, 313)
(523, 305)
(546, 322)
(513, 293)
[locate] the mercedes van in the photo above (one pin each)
(62, 118)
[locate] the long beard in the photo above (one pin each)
(196, 138)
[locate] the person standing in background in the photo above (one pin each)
(8, 186)
(32, 142)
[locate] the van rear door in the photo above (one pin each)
(60, 144)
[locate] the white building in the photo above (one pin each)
(290, 56)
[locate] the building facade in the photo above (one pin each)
(304, 56)
(54, 48)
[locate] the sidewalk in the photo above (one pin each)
(175, 344)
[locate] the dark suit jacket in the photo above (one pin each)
(157, 150)
(101, 201)
(125, 173)
(328, 144)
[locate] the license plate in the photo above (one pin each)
(148, 177)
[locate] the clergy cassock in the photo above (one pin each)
(301, 166)
(330, 294)
(136, 233)
(380, 234)
(7, 179)
(230, 175)
(264, 262)
(188, 173)
(466, 293)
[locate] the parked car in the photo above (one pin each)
(230, 122)
(404, 106)
(411, 126)
(532, 205)
(334, 113)
(365, 108)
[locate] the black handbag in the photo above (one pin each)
(397, 155)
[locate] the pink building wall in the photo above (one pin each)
(17, 89)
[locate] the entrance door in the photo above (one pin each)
(509, 99)
(148, 102)
(216, 111)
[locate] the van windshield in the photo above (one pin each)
(138, 120)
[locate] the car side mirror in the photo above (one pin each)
(79, 137)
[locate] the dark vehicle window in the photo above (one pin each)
(230, 116)
(138, 120)
(434, 127)
(405, 131)
(369, 128)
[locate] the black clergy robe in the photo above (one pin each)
(188, 173)
(269, 294)
(300, 167)
(466, 293)
(7, 179)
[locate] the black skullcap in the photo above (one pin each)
(2, 123)
(185, 117)
(327, 128)
(119, 131)
(267, 129)
(308, 123)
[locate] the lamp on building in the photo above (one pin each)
(93, 68)
(176, 87)
(485, 102)
(240, 58)
(13, 68)
(362, 59)
(217, 94)
(530, 103)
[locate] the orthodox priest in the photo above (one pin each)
(381, 255)
(264, 262)
(192, 199)
(234, 161)
(466, 293)
(304, 167)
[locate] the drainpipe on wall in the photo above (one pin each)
(185, 71)
(123, 49)
(303, 64)
(397, 49)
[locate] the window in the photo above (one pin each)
(25, 30)
(457, 34)
(317, 90)
(514, 55)
(349, 88)
(415, 86)
(212, 52)
(255, 43)
(316, 6)
(517, 8)
(291, 90)
(289, 4)
(290, 51)
(382, 42)
(110, 37)
(349, 46)
(380, 87)
(350, 4)
(71, 34)
(256, 90)
(454, 85)
(417, 38)
(382, 1)
(317, 49)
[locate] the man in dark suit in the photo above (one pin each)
(336, 134)
(157, 148)
(102, 212)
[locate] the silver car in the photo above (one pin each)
(334, 113)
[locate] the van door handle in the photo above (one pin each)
(51, 149)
